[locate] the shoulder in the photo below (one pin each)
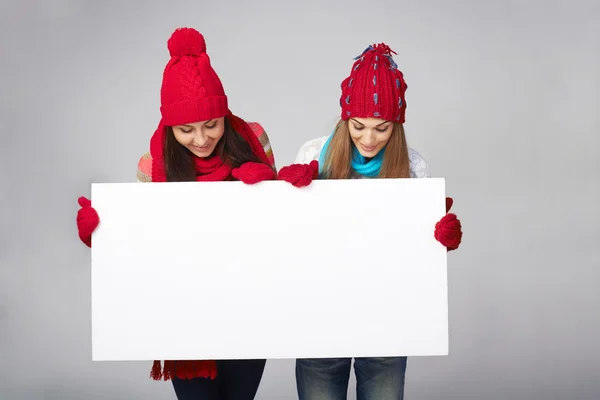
(264, 140)
(257, 128)
(144, 170)
(419, 168)
(310, 150)
(260, 133)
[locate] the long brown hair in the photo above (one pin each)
(338, 158)
(232, 148)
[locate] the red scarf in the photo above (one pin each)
(207, 169)
(209, 165)
(211, 169)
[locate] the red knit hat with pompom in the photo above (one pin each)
(375, 87)
(191, 90)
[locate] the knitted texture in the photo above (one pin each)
(211, 169)
(251, 173)
(300, 175)
(191, 90)
(87, 221)
(375, 87)
(146, 162)
(448, 230)
(158, 140)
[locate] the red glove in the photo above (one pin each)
(87, 221)
(251, 173)
(448, 230)
(300, 175)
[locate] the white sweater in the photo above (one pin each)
(312, 149)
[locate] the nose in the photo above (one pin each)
(200, 137)
(369, 137)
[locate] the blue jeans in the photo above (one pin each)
(377, 378)
(236, 380)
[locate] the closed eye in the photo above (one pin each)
(377, 129)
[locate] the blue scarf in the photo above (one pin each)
(359, 165)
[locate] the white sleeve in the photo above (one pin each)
(310, 150)
(418, 165)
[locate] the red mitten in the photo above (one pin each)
(251, 173)
(448, 230)
(300, 175)
(87, 221)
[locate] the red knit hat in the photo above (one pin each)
(192, 91)
(375, 87)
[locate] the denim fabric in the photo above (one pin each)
(377, 378)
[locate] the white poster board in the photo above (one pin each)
(224, 270)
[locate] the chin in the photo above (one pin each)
(202, 154)
(368, 154)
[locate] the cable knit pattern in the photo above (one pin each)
(311, 150)
(191, 89)
(144, 171)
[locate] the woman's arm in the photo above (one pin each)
(264, 140)
(419, 168)
(144, 170)
(310, 150)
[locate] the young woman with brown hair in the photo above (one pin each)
(368, 142)
(199, 139)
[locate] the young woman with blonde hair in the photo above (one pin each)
(368, 142)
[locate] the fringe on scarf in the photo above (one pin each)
(184, 369)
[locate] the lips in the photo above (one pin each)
(368, 148)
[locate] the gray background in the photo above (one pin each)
(503, 102)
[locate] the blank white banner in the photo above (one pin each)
(224, 270)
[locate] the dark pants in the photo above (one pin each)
(236, 380)
(377, 378)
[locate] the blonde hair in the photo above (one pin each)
(337, 163)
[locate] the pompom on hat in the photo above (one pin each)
(186, 42)
(375, 87)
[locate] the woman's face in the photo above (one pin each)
(201, 137)
(370, 135)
